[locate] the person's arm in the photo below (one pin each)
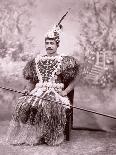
(29, 73)
(70, 87)
(28, 87)
(70, 73)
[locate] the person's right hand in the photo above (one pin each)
(25, 92)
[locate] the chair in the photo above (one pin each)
(69, 117)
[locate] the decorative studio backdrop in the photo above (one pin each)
(89, 34)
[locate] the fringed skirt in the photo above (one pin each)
(37, 118)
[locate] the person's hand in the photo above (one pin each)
(25, 92)
(63, 93)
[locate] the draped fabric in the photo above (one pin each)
(42, 116)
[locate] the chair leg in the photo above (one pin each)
(72, 118)
(68, 126)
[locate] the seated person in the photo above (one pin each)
(41, 115)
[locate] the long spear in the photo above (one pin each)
(77, 108)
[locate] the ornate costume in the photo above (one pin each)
(42, 116)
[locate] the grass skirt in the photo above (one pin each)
(35, 119)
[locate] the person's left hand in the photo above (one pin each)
(63, 93)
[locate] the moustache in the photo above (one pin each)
(49, 48)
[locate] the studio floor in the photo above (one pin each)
(82, 142)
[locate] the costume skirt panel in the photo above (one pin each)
(36, 117)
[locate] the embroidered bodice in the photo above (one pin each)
(47, 68)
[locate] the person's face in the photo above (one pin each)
(51, 46)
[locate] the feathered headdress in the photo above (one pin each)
(54, 33)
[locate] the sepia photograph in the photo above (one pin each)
(57, 77)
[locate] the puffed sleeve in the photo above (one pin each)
(29, 71)
(70, 68)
